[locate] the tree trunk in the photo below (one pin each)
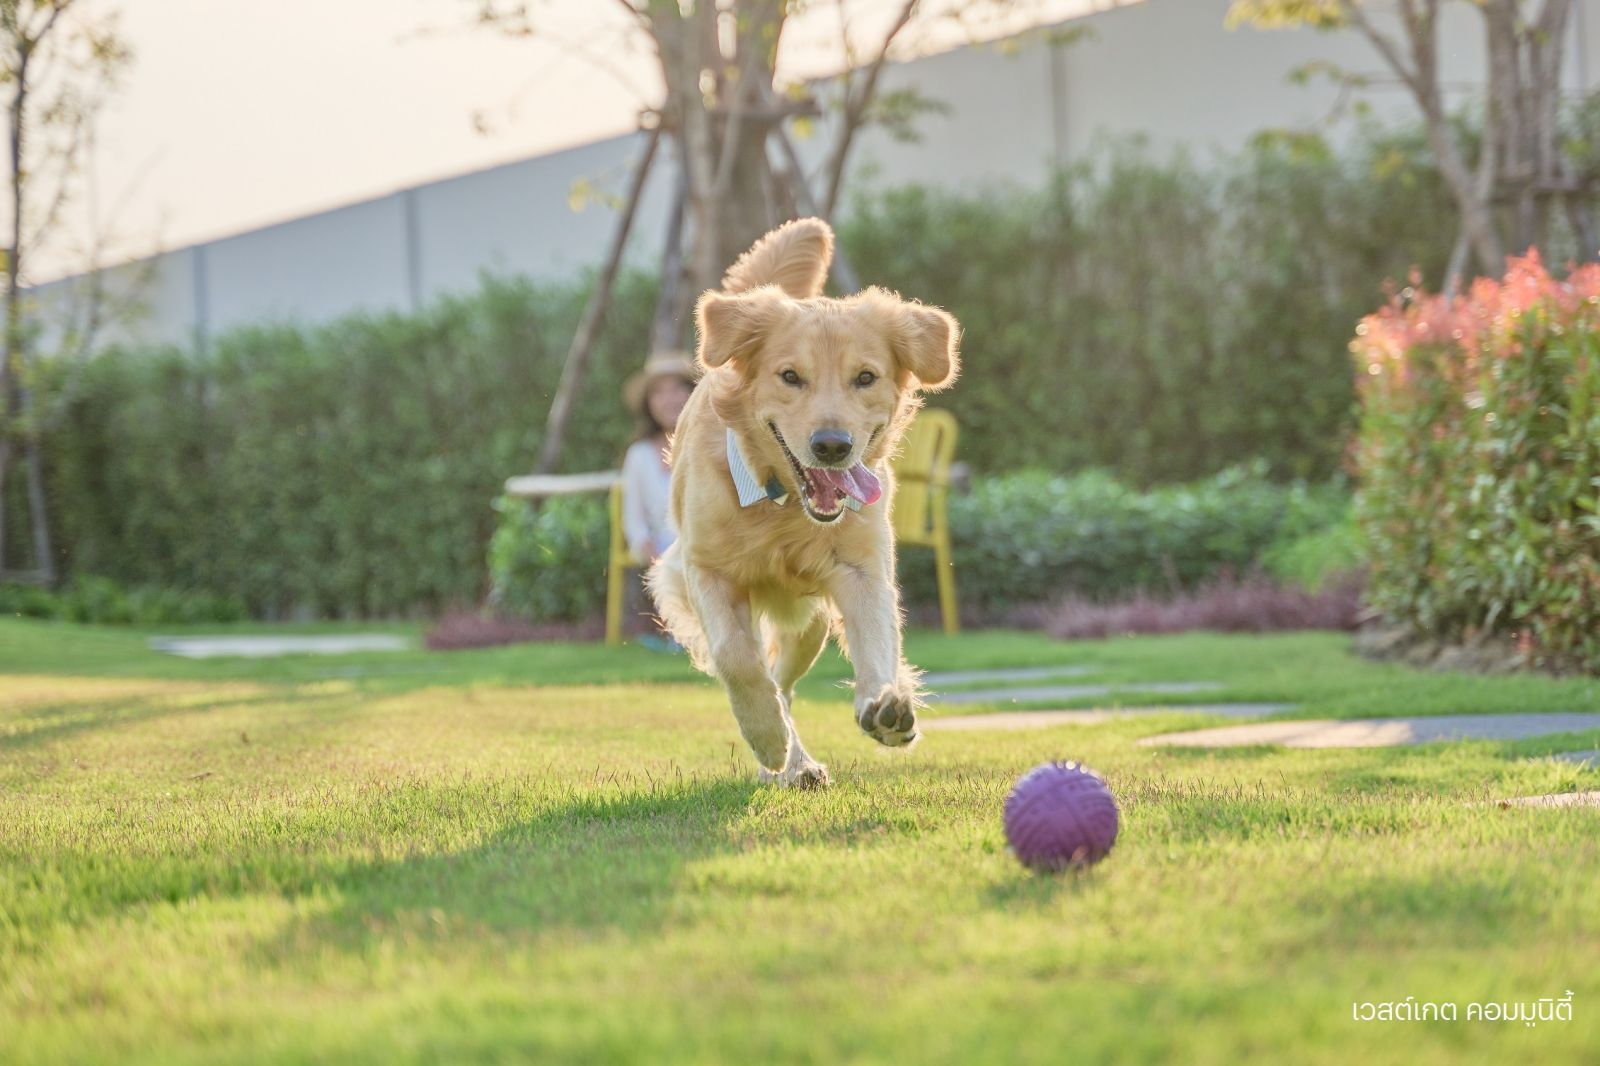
(1546, 49)
(576, 366)
(794, 174)
(716, 88)
(11, 357)
(39, 511)
(669, 326)
(1418, 69)
(1472, 192)
(5, 463)
(746, 212)
(857, 100)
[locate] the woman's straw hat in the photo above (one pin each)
(670, 364)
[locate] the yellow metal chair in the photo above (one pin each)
(621, 560)
(922, 483)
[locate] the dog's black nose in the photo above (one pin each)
(830, 445)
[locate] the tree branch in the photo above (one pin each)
(576, 364)
(855, 106)
(1381, 41)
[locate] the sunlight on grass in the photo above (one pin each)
(468, 865)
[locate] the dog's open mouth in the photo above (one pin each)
(824, 490)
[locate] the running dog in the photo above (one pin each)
(781, 490)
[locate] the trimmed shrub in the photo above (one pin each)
(1152, 319)
(1022, 538)
(1160, 320)
(1034, 535)
(548, 564)
(1479, 458)
(28, 601)
(101, 601)
(1310, 560)
(345, 471)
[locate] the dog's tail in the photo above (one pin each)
(795, 257)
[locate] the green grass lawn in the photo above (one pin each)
(558, 853)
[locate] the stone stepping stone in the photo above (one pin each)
(1015, 720)
(1066, 692)
(270, 647)
(1589, 759)
(1380, 732)
(1025, 673)
(1559, 799)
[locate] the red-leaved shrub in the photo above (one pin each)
(1479, 461)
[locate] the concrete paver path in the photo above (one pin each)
(1013, 720)
(1380, 732)
(1560, 799)
(265, 647)
(939, 679)
(1582, 758)
(1066, 692)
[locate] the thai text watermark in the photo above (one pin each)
(1528, 1012)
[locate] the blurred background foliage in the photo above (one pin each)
(1150, 319)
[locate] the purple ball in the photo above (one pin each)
(1060, 814)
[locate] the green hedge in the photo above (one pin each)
(1034, 536)
(1026, 537)
(100, 601)
(1479, 458)
(548, 564)
(1159, 320)
(344, 471)
(1309, 560)
(1147, 318)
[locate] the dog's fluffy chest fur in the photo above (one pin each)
(765, 544)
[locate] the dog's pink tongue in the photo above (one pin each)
(858, 482)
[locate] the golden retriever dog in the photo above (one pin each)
(781, 490)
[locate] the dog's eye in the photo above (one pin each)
(791, 378)
(865, 378)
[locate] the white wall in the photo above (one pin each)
(313, 269)
(515, 219)
(1166, 70)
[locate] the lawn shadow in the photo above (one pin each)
(54, 722)
(1470, 909)
(1038, 890)
(591, 864)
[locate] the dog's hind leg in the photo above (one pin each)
(791, 654)
(736, 658)
(669, 590)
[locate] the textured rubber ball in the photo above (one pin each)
(1060, 814)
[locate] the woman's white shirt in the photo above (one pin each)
(645, 521)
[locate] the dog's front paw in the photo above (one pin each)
(805, 775)
(891, 719)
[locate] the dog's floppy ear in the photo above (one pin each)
(926, 340)
(732, 327)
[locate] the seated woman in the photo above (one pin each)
(656, 394)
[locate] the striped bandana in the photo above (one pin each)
(752, 489)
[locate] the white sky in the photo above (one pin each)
(239, 113)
